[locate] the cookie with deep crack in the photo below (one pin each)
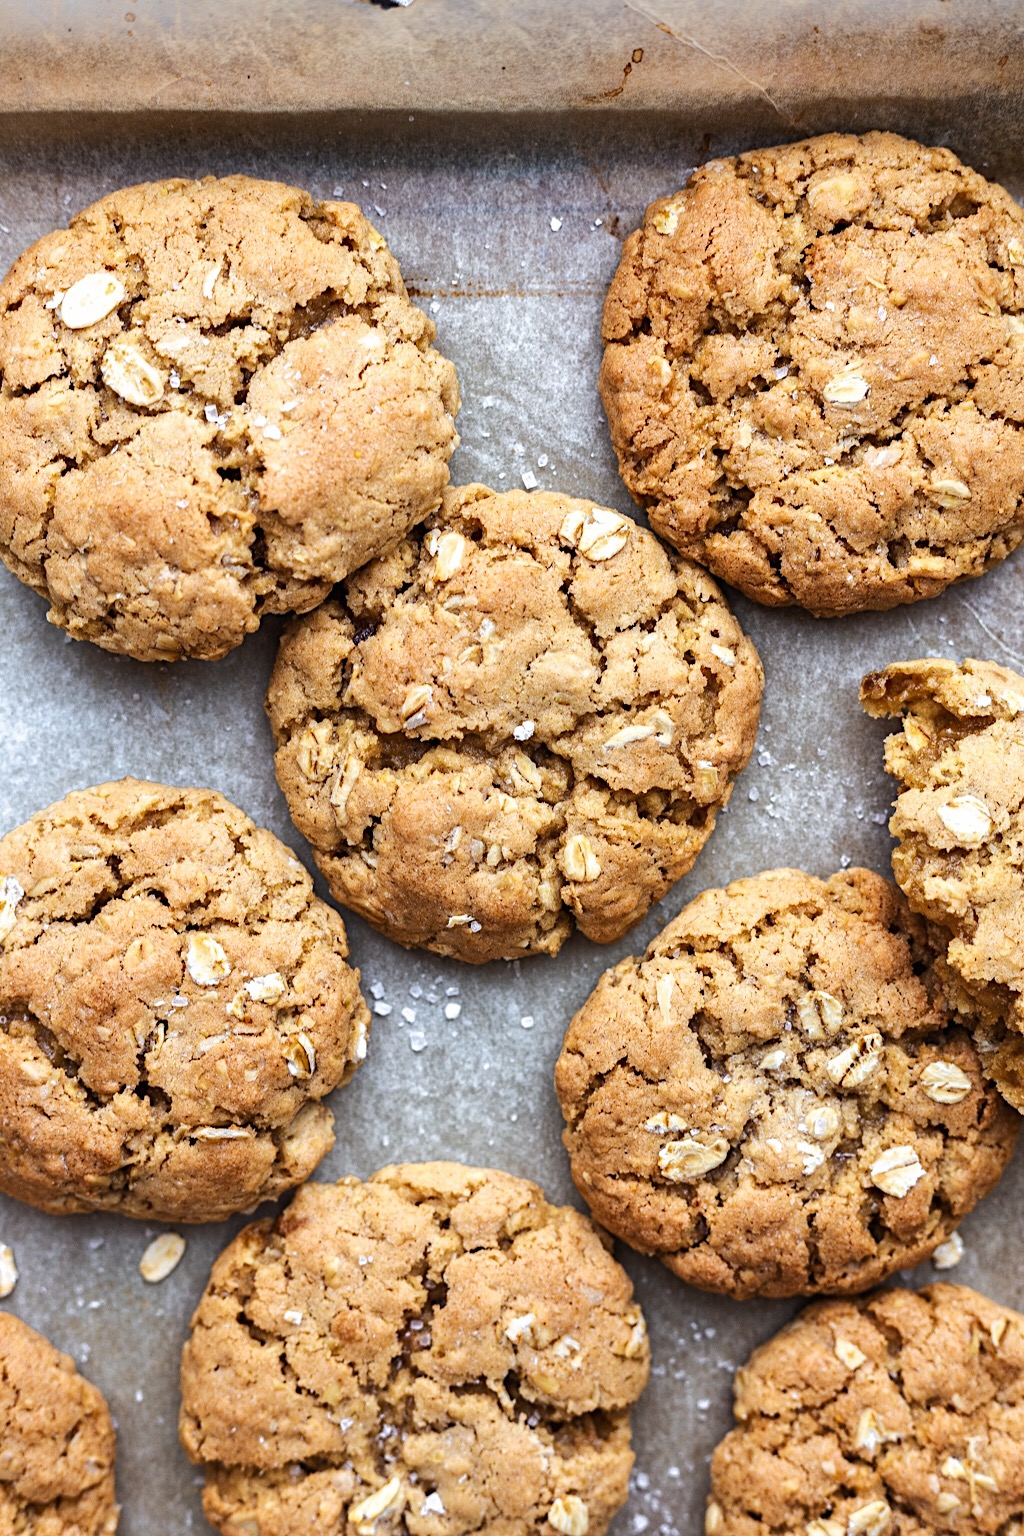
(216, 400)
(175, 1004)
(898, 1415)
(57, 1456)
(773, 1099)
(528, 713)
(959, 825)
(437, 1348)
(814, 371)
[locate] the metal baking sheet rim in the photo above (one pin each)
(504, 55)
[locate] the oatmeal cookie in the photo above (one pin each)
(216, 400)
(814, 375)
(56, 1442)
(772, 1100)
(959, 825)
(898, 1415)
(174, 1005)
(528, 712)
(435, 1349)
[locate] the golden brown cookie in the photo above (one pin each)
(959, 825)
(898, 1415)
(814, 373)
(56, 1442)
(528, 713)
(772, 1101)
(175, 1004)
(437, 1349)
(216, 400)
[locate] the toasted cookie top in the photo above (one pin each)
(437, 1341)
(771, 1099)
(959, 825)
(174, 1004)
(528, 712)
(814, 373)
(216, 400)
(56, 1441)
(901, 1412)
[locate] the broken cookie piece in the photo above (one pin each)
(959, 826)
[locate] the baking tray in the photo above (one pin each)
(470, 201)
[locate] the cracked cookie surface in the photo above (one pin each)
(959, 825)
(898, 1415)
(814, 371)
(175, 1003)
(772, 1101)
(216, 400)
(56, 1441)
(436, 1349)
(526, 714)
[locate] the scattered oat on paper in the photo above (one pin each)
(8, 1270)
(163, 1255)
(948, 1254)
